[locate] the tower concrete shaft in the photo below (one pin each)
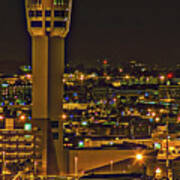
(48, 23)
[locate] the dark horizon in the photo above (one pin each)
(118, 31)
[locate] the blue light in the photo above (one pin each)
(11, 103)
(67, 98)
(146, 94)
(4, 85)
(2, 104)
(151, 102)
(18, 113)
(71, 116)
(111, 102)
(131, 109)
(151, 119)
(75, 94)
(111, 143)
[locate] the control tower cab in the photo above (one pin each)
(48, 17)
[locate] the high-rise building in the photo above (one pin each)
(48, 23)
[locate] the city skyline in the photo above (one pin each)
(117, 31)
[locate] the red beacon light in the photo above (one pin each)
(178, 118)
(170, 75)
(105, 61)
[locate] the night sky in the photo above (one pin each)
(118, 30)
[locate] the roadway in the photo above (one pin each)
(149, 165)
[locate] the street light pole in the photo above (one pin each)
(3, 166)
(111, 165)
(76, 166)
(140, 158)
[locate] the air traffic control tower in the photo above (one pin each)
(48, 23)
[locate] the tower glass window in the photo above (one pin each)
(59, 14)
(38, 13)
(54, 124)
(35, 1)
(55, 136)
(47, 13)
(31, 13)
(36, 24)
(59, 24)
(48, 23)
(58, 2)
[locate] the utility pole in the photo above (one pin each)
(167, 149)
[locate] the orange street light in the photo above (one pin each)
(64, 116)
(22, 117)
(158, 173)
(1, 117)
(139, 157)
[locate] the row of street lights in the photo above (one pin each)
(139, 157)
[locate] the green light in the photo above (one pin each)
(55, 2)
(157, 145)
(168, 83)
(109, 123)
(98, 102)
(27, 126)
(18, 101)
(27, 136)
(156, 92)
(25, 68)
(58, 2)
(84, 123)
(81, 144)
